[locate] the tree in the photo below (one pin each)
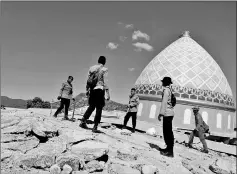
(29, 104)
(37, 100)
(46, 104)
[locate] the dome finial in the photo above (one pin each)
(186, 34)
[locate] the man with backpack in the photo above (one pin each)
(65, 96)
(97, 93)
(200, 130)
(167, 112)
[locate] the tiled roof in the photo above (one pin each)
(189, 65)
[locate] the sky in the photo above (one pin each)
(42, 43)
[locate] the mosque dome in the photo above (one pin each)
(194, 72)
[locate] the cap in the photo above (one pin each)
(195, 108)
(167, 79)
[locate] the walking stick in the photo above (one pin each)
(51, 103)
(74, 106)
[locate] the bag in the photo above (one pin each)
(173, 99)
(205, 127)
(93, 79)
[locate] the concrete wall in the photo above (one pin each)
(221, 123)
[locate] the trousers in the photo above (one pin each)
(134, 118)
(200, 134)
(96, 101)
(168, 132)
(63, 103)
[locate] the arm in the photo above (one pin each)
(164, 102)
(88, 75)
(135, 103)
(106, 88)
(105, 77)
(199, 122)
(61, 90)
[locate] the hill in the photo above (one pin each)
(13, 103)
(81, 100)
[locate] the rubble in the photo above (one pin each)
(41, 144)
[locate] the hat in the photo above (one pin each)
(195, 108)
(167, 79)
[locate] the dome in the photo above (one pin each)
(189, 65)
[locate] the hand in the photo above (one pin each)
(59, 97)
(159, 117)
(87, 93)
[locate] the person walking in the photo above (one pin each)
(167, 113)
(132, 110)
(65, 96)
(200, 130)
(97, 92)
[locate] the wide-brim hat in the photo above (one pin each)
(167, 79)
(195, 108)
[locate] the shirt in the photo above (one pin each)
(66, 90)
(200, 124)
(133, 103)
(102, 76)
(166, 108)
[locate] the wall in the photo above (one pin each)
(221, 123)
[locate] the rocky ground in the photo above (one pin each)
(32, 142)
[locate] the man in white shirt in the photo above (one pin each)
(96, 93)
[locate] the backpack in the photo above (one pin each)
(205, 126)
(173, 99)
(93, 79)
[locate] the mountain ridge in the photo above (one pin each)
(81, 101)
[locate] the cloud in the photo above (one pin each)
(129, 26)
(112, 46)
(139, 34)
(131, 69)
(122, 38)
(139, 46)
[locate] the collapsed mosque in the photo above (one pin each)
(197, 80)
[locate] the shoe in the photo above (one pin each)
(95, 130)
(189, 145)
(163, 150)
(124, 127)
(83, 125)
(167, 153)
(133, 131)
(54, 116)
(65, 118)
(204, 151)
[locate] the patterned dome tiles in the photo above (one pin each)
(189, 65)
(186, 61)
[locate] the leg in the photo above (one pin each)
(91, 107)
(126, 118)
(190, 142)
(99, 104)
(60, 107)
(165, 130)
(170, 135)
(134, 120)
(202, 139)
(67, 104)
(88, 112)
(97, 117)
